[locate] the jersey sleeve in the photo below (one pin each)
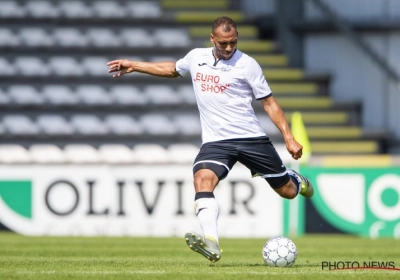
(182, 66)
(256, 79)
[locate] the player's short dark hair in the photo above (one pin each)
(226, 22)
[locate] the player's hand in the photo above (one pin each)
(294, 148)
(122, 66)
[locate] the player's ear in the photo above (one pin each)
(212, 38)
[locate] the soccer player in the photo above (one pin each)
(225, 81)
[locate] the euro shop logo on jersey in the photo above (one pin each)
(363, 201)
(210, 83)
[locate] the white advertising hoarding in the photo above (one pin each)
(134, 200)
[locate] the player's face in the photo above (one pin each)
(224, 42)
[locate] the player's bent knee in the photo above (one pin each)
(287, 191)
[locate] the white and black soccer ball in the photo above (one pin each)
(279, 251)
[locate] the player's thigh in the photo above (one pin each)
(219, 157)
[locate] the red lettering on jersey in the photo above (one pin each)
(207, 78)
(209, 87)
(210, 83)
(197, 76)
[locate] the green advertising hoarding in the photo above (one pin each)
(362, 201)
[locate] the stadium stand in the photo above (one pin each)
(116, 154)
(56, 92)
(81, 153)
(54, 125)
(59, 95)
(13, 153)
(123, 124)
(46, 154)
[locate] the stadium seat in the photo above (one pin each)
(182, 153)
(136, 37)
(150, 153)
(69, 37)
(24, 95)
(168, 37)
(46, 153)
(157, 124)
(143, 9)
(122, 125)
(11, 9)
(95, 66)
(108, 9)
(59, 95)
(19, 125)
(75, 9)
(4, 98)
(31, 66)
(65, 66)
(8, 38)
(188, 124)
(7, 68)
(13, 153)
(187, 95)
(115, 154)
(161, 95)
(127, 95)
(103, 37)
(41, 8)
(35, 37)
(81, 154)
(93, 95)
(88, 125)
(54, 125)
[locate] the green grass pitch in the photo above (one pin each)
(58, 258)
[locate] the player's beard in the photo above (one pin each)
(222, 55)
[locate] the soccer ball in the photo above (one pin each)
(279, 251)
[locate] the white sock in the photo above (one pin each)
(206, 210)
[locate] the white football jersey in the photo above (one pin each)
(224, 91)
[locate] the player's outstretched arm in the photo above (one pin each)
(277, 116)
(125, 66)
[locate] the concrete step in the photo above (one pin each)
(345, 147)
(191, 5)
